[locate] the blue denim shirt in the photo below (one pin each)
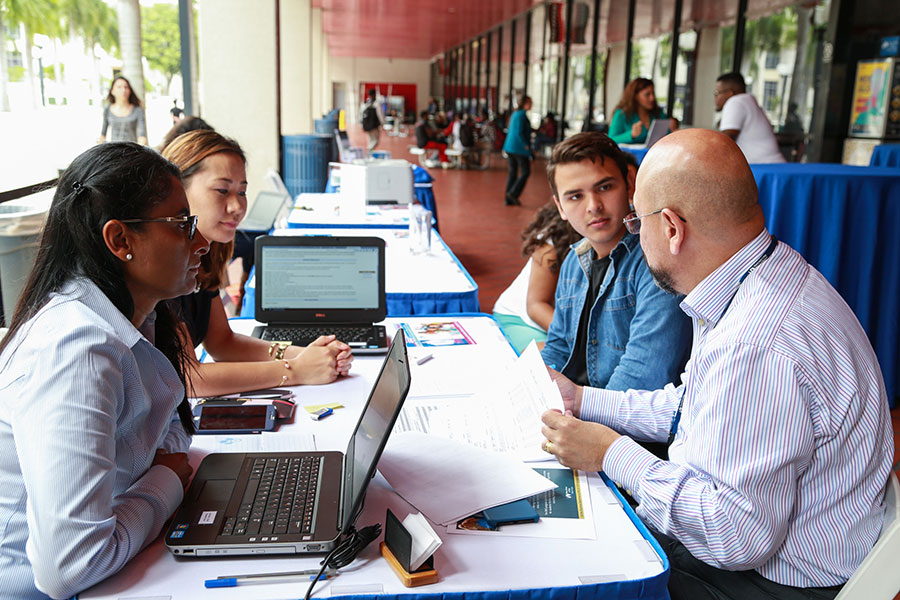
(640, 338)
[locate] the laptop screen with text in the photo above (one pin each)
(320, 277)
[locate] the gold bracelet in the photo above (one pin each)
(284, 378)
(276, 350)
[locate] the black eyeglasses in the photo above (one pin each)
(633, 220)
(187, 224)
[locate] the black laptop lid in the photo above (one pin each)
(373, 428)
(309, 279)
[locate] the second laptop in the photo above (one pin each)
(307, 286)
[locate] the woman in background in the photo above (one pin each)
(123, 118)
(215, 180)
(634, 113)
(525, 309)
(92, 447)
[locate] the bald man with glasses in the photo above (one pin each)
(780, 432)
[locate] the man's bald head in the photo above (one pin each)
(698, 197)
(703, 176)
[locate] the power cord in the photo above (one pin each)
(346, 551)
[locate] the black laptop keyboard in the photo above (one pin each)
(280, 497)
(303, 336)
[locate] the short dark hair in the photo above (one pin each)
(734, 81)
(183, 126)
(371, 93)
(118, 180)
(588, 145)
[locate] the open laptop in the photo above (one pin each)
(346, 152)
(234, 505)
(265, 211)
(658, 128)
(307, 286)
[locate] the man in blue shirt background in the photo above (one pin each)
(612, 326)
(518, 152)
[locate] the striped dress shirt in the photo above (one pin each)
(85, 401)
(784, 443)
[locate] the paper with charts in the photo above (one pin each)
(504, 417)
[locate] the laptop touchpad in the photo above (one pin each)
(215, 491)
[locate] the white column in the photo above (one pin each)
(708, 59)
(615, 74)
(297, 48)
(236, 56)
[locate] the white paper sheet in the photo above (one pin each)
(447, 480)
(264, 442)
(580, 527)
(505, 417)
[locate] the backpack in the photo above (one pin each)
(466, 135)
(370, 118)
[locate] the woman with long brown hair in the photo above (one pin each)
(634, 113)
(123, 117)
(214, 172)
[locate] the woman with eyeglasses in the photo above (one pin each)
(215, 179)
(94, 422)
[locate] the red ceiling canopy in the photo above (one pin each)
(410, 28)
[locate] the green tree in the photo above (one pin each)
(162, 40)
(37, 16)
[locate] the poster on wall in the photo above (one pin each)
(874, 91)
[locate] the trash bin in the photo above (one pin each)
(20, 229)
(326, 125)
(306, 159)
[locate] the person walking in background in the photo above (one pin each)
(518, 152)
(123, 118)
(370, 118)
(744, 121)
(635, 111)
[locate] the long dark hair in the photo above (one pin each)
(132, 98)
(119, 180)
(548, 226)
(628, 102)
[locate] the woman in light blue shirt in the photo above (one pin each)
(94, 423)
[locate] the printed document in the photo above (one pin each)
(447, 480)
(503, 417)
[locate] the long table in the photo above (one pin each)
(885, 155)
(416, 284)
(622, 562)
(318, 211)
(845, 221)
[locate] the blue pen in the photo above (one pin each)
(236, 580)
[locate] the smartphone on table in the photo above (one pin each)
(234, 418)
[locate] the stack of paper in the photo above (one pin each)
(505, 416)
(448, 480)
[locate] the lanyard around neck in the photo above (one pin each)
(676, 417)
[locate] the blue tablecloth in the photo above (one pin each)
(638, 153)
(886, 155)
(845, 221)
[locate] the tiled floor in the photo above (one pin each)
(484, 233)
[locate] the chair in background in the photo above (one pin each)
(878, 577)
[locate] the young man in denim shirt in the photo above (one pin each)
(612, 326)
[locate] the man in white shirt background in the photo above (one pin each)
(744, 121)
